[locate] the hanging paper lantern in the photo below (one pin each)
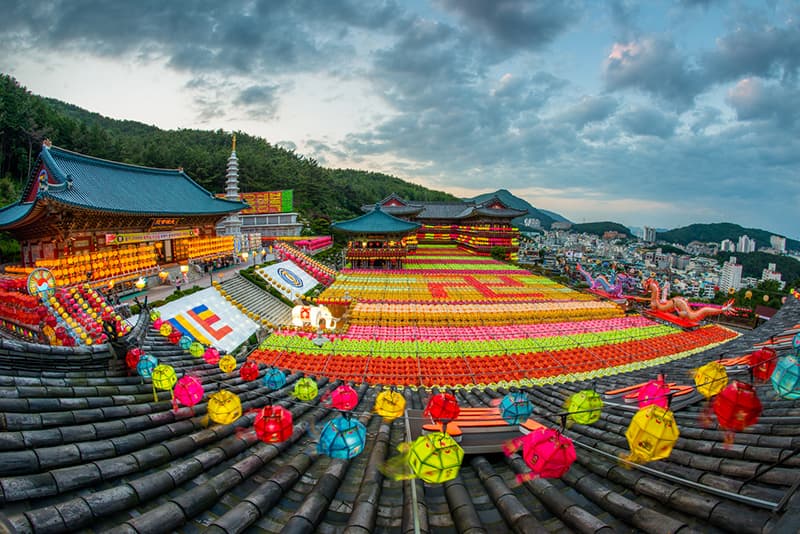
(227, 363)
(211, 356)
(224, 407)
(273, 424)
(249, 371)
(651, 434)
(175, 337)
(274, 378)
(165, 329)
(185, 342)
(515, 408)
(164, 377)
(132, 357)
(654, 392)
(737, 406)
(158, 323)
(344, 398)
(390, 405)
(305, 389)
(546, 451)
(342, 437)
(188, 390)
(584, 407)
(786, 378)
(146, 365)
(762, 363)
(435, 457)
(155, 315)
(710, 379)
(442, 407)
(796, 340)
(196, 349)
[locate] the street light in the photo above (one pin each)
(245, 255)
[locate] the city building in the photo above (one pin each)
(727, 246)
(778, 243)
(770, 273)
(746, 244)
(731, 276)
(649, 234)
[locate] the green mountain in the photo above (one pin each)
(320, 194)
(716, 232)
(509, 199)
(599, 228)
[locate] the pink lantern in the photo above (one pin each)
(211, 356)
(442, 407)
(188, 391)
(344, 398)
(273, 424)
(547, 452)
(157, 323)
(654, 392)
(249, 371)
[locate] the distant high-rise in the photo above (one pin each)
(649, 234)
(731, 276)
(778, 243)
(746, 244)
(771, 274)
(727, 246)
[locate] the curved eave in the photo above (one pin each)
(15, 215)
(239, 206)
(505, 213)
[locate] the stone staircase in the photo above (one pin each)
(256, 300)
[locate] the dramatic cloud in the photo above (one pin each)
(754, 100)
(648, 121)
(588, 110)
(260, 99)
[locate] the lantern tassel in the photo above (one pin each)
(522, 478)
(513, 445)
(398, 467)
(155, 395)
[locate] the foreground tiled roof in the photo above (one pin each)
(89, 450)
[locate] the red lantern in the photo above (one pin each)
(547, 452)
(737, 406)
(442, 407)
(273, 424)
(654, 392)
(763, 362)
(175, 336)
(344, 398)
(249, 371)
(132, 357)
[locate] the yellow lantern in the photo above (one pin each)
(227, 363)
(165, 329)
(435, 457)
(224, 407)
(651, 434)
(748, 294)
(305, 389)
(390, 405)
(140, 283)
(710, 379)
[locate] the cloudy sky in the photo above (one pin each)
(647, 113)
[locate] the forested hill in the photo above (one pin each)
(319, 193)
(716, 232)
(599, 228)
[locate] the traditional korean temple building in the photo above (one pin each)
(477, 226)
(84, 217)
(377, 240)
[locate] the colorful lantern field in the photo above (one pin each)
(449, 318)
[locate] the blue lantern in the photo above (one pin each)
(342, 438)
(185, 342)
(796, 341)
(786, 378)
(146, 365)
(274, 378)
(515, 408)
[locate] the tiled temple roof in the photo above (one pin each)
(89, 449)
(376, 221)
